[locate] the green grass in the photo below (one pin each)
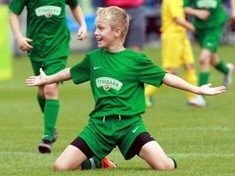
(202, 140)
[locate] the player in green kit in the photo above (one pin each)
(47, 44)
(117, 77)
(209, 20)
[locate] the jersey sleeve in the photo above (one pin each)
(81, 72)
(72, 3)
(17, 6)
(150, 73)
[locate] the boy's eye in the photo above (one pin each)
(100, 28)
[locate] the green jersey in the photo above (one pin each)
(46, 26)
(117, 80)
(217, 16)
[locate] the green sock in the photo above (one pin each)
(50, 117)
(222, 67)
(203, 78)
(41, 102)
(92, 163)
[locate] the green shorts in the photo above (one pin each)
(104, 134)
(210, 38)
(49, 66)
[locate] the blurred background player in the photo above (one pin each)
(136, 36)
(47, 45)
(209, 18)
(176, 49)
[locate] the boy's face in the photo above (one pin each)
(104, 34)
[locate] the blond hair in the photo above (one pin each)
(116, 17)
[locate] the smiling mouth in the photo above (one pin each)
(99, 40)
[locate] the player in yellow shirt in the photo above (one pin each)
(176, 49)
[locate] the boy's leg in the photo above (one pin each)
(149, 92)
(67, 161)
(96, 163)
(203, 78)
(205, 59)
(70, 159)
(154, 155)
(93, 162)
(148, 149)
(50, 117)
(41, 102)
(228, 78)
(49, 104)
(193, 99)
(222, 67)
(191, 77)
(227, 70)
(188, 62)
(51, 111)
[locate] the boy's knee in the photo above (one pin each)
(169, 164)
(51, 91)
(59, 167)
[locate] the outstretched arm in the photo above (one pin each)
(177, 82)
(43, 79)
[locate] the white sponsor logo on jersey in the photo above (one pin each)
(108, 83)
(48, 11)
(207, 4)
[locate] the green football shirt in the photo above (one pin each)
(117, 80)
(46, 26)
(217, 16)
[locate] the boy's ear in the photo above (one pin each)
(118, 31)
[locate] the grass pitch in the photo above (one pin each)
(202, 140)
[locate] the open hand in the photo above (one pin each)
(208, 90)
(36, 80)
